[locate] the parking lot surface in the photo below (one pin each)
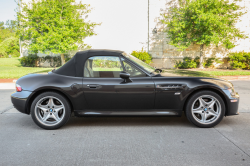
(125, 140)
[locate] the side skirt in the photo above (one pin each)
(152, 112)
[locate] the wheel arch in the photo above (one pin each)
(219, 92)
(40, 91)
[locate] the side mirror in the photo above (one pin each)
(125, 76)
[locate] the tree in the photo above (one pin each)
(8, 39)
(142, 55)
(203, 22)
(55, 26)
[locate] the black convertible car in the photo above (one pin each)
(113, 83)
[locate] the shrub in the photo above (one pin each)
(142, 55)
(54, 61)
(209, 62)
(239, 60)
(194, 63)
(29, 61)
(186, 64)
(32, 60)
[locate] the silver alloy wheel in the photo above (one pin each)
(206, 109)
(49, 111)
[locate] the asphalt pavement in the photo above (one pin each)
(125, 140)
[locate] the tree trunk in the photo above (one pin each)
(62, 59)
(201, 56)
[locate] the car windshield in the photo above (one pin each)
(147, 67)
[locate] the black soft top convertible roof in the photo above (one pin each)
(74, 67)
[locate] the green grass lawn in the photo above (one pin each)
(208, 73)
(11, 68)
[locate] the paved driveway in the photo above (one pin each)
(125, 140)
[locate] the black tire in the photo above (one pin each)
(191, 117)
(64, 119)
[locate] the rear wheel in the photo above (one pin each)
(50, 110)
(205, 109)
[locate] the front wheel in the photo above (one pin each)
(50, 110)
(205, 109)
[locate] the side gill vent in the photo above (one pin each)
(172, 86)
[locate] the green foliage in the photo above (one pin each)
(239, 60)
(32, 60)
(106, 63)
(193, 63)
(29, 61)
(197, 60)
(54, 61)
(209, 62)
(142, 55)
(186, 64)
(54, 26)
(203, 22)
(9, 44)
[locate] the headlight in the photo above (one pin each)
(232, 92)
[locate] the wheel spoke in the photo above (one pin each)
(198, 111)
(211, 103)
(202, 102)
(204, 117)
(212, 112)
(42, 107)
(55, 116)
(58, 107)
(51, 103)
(46, 116)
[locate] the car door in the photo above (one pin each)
(104, 89)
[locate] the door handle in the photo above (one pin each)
(93, 86)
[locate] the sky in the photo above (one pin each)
(124, 23)
(7, 10)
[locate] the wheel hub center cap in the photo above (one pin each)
(205, 109)
(51, 110)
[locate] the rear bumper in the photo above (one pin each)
(233, 105)
(19, 100)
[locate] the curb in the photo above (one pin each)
(235, 77)
(8, 80)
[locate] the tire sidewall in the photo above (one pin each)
(189, 109)
(66, 105)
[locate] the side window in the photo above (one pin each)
(103, 67)
(133, 71)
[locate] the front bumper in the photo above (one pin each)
(19, 100)
(233, 105)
